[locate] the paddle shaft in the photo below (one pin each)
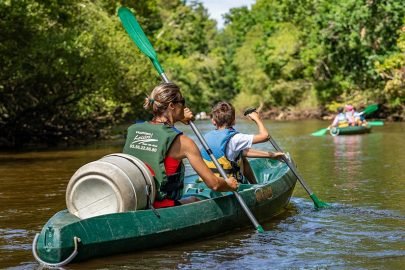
(318, 203)
(292, 167)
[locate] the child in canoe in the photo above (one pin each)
(340, 119)
(230, 147)
(359, 118)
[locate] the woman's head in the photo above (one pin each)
(223, 114)
(162, 96)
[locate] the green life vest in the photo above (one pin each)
(150, 143)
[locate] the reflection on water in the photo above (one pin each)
(361, 176)
(347, 159)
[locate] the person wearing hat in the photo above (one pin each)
(349, 112)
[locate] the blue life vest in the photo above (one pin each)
(218, 141)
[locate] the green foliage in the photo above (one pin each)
(330, 46)
(251, 77)
(69, 72)
(66, 64)
(186, 31)
(392, 71)
(244, 100)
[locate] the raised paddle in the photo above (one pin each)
(370, 109)
(137, 35)
(318, 203)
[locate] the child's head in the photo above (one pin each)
(223, 115)
(340, 110)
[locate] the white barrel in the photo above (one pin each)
(115, 183)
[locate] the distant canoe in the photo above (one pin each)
(66, 238)
(351, 130)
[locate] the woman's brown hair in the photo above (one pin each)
(161, 96)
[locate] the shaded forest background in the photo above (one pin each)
(69, 73)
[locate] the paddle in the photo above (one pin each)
(137, 35)
(368, 110)
(318, 203)
(320, 132)
(375, 123)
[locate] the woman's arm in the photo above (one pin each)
(184, 147)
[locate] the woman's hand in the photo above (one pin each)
(188, 116)
(232, 183)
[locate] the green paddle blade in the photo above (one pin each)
(320, 132)
(137, 35)
(370, 109)
(318, 203)
(375, 123)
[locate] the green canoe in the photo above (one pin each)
(66, 238)
(351, 130)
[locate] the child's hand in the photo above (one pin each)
(188, 116)
(277, 155)
(254, 116)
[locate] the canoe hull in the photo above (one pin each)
(351, 130)
(143, 229)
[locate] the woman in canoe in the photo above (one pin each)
(231, 147)
(162, 147)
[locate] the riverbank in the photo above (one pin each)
(291, 114)
(86, 133)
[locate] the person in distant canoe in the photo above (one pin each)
(162, 147)
(231, 147)
(359, 119)
(349, 112)
(340, 119)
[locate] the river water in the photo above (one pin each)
(361, 176)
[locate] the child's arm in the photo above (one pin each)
(263, 134)
(262, 154)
